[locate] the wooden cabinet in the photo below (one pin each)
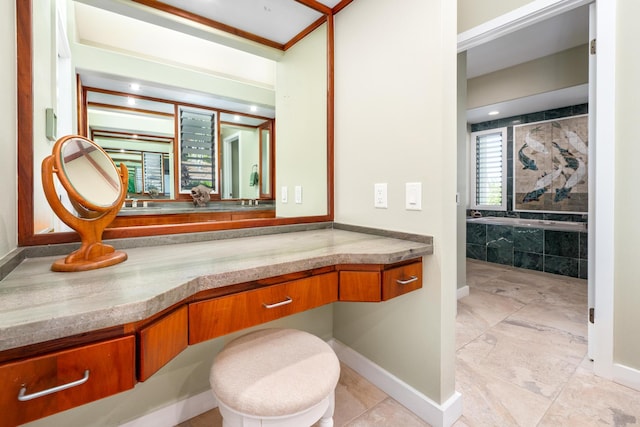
(35, 385)
(161, 341)
(43, 385)
(379, 283)
(213, 318)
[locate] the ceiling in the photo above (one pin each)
(239, 39)
(553, 35)
(275, 23)
(278, 21)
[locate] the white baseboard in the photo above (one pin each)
(176, 413)
(463, 291)
(626, 376)
(438, 415)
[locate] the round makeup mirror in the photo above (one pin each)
(96, 189)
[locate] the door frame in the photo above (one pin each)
(601, 209)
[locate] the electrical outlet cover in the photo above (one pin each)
(380, 195)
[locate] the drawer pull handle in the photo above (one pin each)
(278, 304)
(406, 282)
(23, 397)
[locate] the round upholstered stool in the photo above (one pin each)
(275, 377)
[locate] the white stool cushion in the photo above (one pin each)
(274, 372)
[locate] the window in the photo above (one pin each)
(489, 169)
(198, 149)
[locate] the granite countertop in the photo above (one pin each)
(38, 305)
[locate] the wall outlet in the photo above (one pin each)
(284, 194)
(380, 195)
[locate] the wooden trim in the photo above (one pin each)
(122, 108)
(155, 4)
(315, 5)
(25, 116)
(80, 107)
(330, 117)
(305, 32)
(337, 8)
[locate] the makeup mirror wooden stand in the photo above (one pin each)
(96, 189)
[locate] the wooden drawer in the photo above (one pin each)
(161, 341)
(220, 316)
(400, 280)
(92, 372)
(376, 285)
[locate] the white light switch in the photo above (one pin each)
(380, 195)
(284, 194)
(298, 194)
(414, 196)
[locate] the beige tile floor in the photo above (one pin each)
(521, 361)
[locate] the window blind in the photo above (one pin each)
(197, 148)
(489, 169)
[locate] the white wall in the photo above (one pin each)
(627, 204)
(553, 72)
(473, 12)
(8, 130)
(397, 64)
(462, 172)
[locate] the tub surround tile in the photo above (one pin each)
(561, 265)
(476, 233)
(584, 246)
(583, 269)
(562, 243)
(530, 261)
(478, 252)
(500, 254)
(527, 239)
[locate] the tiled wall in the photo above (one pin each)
(559, 252)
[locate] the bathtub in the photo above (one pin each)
(531, 223)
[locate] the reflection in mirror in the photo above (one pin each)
(141, 133)
(63, 42)
(96, 189)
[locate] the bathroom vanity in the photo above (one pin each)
(70, 338)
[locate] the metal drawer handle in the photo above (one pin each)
(278, 304)
(23, 397)
(411, 279)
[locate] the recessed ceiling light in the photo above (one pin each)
(131, 101)
(253, 108)
(236, 118)
(134, 86)
(494, 113)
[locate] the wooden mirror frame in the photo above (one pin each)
(26, 233)
(92, 218)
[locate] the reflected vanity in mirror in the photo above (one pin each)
(96, 190)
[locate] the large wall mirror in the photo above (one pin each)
(130, 77)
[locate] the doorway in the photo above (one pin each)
(525, 21)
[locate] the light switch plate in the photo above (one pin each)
(380, 195)
(284, 196)
(298, 191)
(414, 196)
